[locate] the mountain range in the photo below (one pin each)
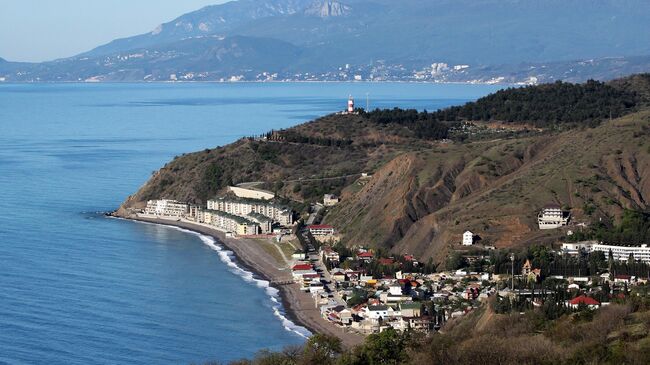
(437, 40)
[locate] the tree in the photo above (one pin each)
(388, 347)
(321, 349)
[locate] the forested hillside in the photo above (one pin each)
(548, 105)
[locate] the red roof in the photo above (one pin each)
(583, 299)
(320, 226)
(364, 254)
(302, 267)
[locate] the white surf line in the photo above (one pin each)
(228, 257)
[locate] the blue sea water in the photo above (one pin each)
(78, 288)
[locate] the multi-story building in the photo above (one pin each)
(468, 238)
(620, 253)
(229, 222)
(243, 207)
(321, 230)
(166, 207)
(552, 217)
(265, 223)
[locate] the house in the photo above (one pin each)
(321, 230)
(298, 255)
(340, 315)
(622, 279)
(591, 303)
(468, 238)
(329, 254)
(330, 200)
(365, 256)
(338, 275)
(386, 261)
(552, 217)
(411, 309)
(316, 287)
(423, 324)
(527, 268)
(379, 312)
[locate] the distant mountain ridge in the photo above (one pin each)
(376, 40)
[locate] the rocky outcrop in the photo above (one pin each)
(326, 9)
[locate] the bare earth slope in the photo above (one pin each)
(421, 202)
(424, 193)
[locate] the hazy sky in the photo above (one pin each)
(39, 30)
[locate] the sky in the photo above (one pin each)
(42, 30)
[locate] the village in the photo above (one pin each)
(366, 291)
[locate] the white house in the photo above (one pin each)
(330, 200)
(468, 238)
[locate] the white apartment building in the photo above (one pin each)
(552, 217)
(620, 253)
(165, 207)
(243, 207)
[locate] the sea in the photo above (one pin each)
(79, 288)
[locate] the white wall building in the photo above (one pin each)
(321, 230)
(243, 207)
(166, 207)
(552, 217)
(251, 193)
(620, 253)
(330, 200)
(468, 238)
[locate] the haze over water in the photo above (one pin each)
(78, 288)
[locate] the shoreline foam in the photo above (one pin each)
(243, 271)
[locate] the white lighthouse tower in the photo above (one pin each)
(350, 105)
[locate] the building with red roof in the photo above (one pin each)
(301, 267)
(591, 303)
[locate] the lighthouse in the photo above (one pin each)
(350, 105)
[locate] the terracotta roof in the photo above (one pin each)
(320, 226)
(364, 254)
(583, 299)
(302, 267)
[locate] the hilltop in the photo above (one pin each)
(433, 178)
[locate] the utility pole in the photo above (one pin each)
(512, 261)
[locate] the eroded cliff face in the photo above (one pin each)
(421, 202)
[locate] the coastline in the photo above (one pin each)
(298, 307)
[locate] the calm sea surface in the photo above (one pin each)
(78, 288)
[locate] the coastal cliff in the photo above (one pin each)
(434, 175)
